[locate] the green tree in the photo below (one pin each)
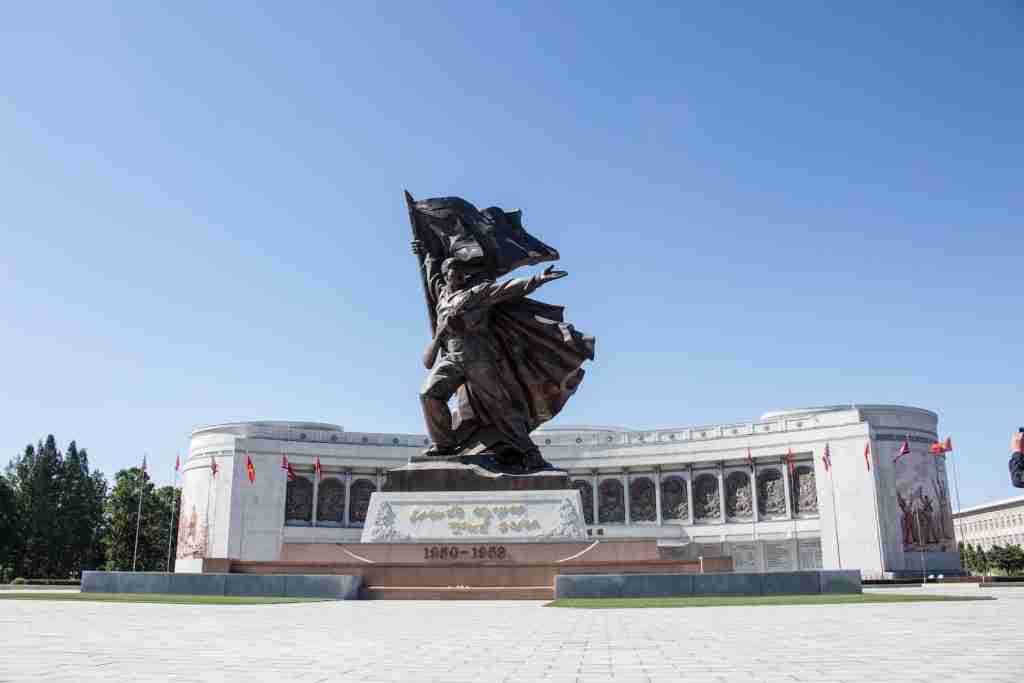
(8, 528)
(35, 474)
(82, 496)
(981, 561)
(1008, 560)
(121, 515)
(969, 558)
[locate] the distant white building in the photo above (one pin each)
(689, 488)
(999, 523)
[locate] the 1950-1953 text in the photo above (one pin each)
(454, 552)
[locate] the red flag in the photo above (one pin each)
(250, 470)
(867, 455)
(291, 473)
(948, 444)
(316, 468)
(213, 467)
(904, 449)
(828, 459)
(284, 462)
(177, 463)
(789, 461)
(937, 448)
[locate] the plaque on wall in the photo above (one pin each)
(778, 556)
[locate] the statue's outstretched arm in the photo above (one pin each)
(497, 292)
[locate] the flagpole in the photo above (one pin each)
(170, 525)
(138, 515)
(835, 513)
(956, 483)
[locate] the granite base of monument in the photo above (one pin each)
(328, 586)
(815, 582)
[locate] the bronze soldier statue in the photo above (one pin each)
(512, 362)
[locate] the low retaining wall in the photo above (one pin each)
(331, 586)
(692, 585)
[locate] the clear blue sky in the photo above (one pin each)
(761, 206)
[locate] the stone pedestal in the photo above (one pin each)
(495, 516)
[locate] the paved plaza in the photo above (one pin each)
(517, 641)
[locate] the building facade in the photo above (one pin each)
(999, 523)
(700, 491)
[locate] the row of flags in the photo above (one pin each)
(937, 449)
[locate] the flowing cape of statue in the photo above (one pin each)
(544, 356)
(541, 354)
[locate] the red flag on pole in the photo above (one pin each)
(828, 459)
(904, 449)
(789, 461)
(867, 455)
(284, 462)
(948, 444)
(213, 467)
(177, 463)
(316, 468)
(291, 473)
(250, 470)
(937, 448)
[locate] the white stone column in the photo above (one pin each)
(657, 493)
(596, 501)
(753, 491)
(348, 496)
(721, 493)
(624, 478)
(784, 468)
(316, 497)
(689, 493)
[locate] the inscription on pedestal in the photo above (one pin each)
(492, 516)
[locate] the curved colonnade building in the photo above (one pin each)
(712, 490)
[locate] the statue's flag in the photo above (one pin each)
(867, 456)
(827, 458)
(250, 470)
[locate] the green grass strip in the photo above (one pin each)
(156, 598)
(746, 601)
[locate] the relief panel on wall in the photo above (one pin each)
(673, 498)
(771, 493)
(739, 501)
(298, 505)
(362, 489)
(642, 500)
(611, 506)
(587, 499)
(922, 496)
(806, 499)
(330, 502)
(706, 498)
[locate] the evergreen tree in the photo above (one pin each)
(81, 512)
(8, 528)
(969, 558)
(981, 561)
(37, 493)
(121, 515)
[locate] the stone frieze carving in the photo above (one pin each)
(771, 493)
(739, 500)
(569, 523)
(642, 500)
(707, 502)
(384, 526)
(674, 504)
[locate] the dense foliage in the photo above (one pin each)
(1004, 560)
(57, 517)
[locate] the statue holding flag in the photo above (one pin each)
(512, 362)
